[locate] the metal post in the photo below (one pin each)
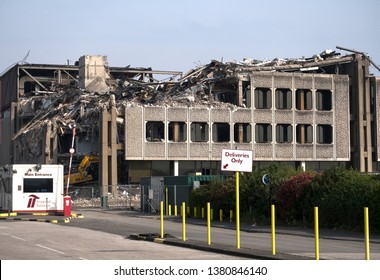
(366, 233)
(316, 230)
(273, 218)
(237, 212)
(183, 221)
(208, 224)
(72, 151)
(162, 219)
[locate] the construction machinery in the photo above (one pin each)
(86, 172)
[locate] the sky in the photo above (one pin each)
(180, 35)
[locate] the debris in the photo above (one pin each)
(212, 85)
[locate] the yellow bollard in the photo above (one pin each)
(208, 224)
(273, 216)
(166, 201)
(195, 212)
(162, 219)
(212, 214)
(231, 215)
(170, 210)
(188, 211)
(175, 210)
(203, 213)
(366, 233)
(183, 222)
(316, 230)
(221, 215)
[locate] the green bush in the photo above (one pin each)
(290, 197)
(341, 195)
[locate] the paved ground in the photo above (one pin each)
(254, 253)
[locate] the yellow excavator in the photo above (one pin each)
(86, 172)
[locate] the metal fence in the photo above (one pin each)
(125, 196)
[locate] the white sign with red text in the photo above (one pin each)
(236, 160)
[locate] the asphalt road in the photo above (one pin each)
(30, 240)
(107, 234)
(291, 243)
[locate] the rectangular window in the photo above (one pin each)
(155, 131)
(199, 132)
(263, 133)
(324, 134)
(221, 132)
(304, 99)
(177, 132)
(284, 133)
(263, 98)
(324, 100)
(304, 133)
(242, 133)
(38, 185)
(247, 94)
(283, 98)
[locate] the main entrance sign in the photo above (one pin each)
(236, 160)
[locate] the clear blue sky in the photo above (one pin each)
(180, 35)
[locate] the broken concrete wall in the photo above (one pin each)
(336, 117)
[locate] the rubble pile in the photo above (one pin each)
(66, 105)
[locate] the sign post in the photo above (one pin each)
(238, 161)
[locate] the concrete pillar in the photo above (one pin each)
(113, 144)
(103, 160)
(176, 168)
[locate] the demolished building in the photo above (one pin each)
(312, 112)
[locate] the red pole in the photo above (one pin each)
(72, 150)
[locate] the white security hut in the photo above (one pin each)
(31, 188)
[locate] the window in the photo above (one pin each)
(283, 98)
(304, 99)
(221, 132)
(263, 98)
(304, 133)
(284, 133)
(324, 100)
(177, 132)
(263, 133)
(247, 94)
(38, 185)
(155, 131)
(324, 134)
(242, 133)
(199, 132)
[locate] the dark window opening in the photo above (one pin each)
(304, 133)
(263, 98)
(263, 133)
(284, 133)
(247, 101)
(324, 134)
(177, 132)
(155, 131)
(38, 185)
(283, 98)
(324, 100)
(226, 96)
(221, 132)
(64, 143)
(242, 133)
(304, 99)
(199, 132)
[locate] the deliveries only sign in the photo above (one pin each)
(236, 160)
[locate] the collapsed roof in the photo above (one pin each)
(67, 104)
